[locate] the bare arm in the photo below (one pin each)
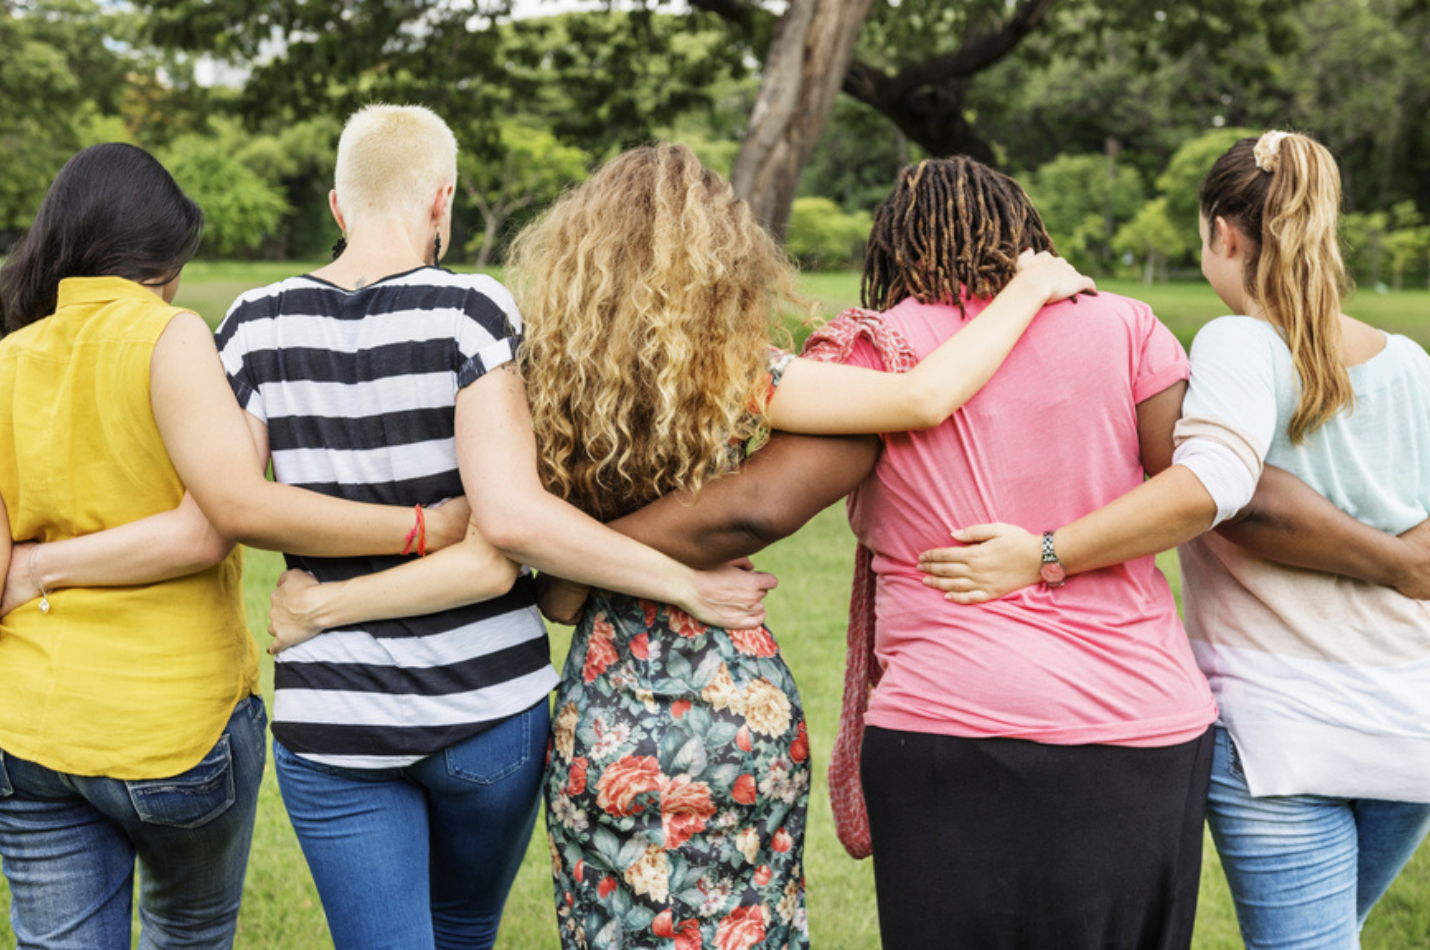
(1287, 522)
(465, 573)
(209, 442)
(1291, 523)
(782, 486)
(826, 398)
(163, 546)
(531, 526)
(1161, 513)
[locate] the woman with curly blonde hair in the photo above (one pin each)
(679, 777)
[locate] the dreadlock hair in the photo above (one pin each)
(951, 227)
(1283, 192)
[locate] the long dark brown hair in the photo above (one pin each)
(951, 226)
(112, 211)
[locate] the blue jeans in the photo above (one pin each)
(421, 856)
(70, 842)
(1305, 870)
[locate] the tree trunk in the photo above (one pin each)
(489, 241)
(809, 56)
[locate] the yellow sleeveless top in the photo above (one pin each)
(126, 682)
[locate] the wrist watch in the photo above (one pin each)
(1052, 570)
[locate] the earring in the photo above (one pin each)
(436, 249)
(340, 246)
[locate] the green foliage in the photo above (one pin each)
(858, 158)
(1408, 244)
(821, 235)
(1152, 238)
(530, 168)
(1180, 181)
(240, 208)
(1363, 237)
(1083, 200)
(1400, 237)
(60, 82)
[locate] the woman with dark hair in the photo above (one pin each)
(130, 721)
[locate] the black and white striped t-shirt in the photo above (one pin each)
(358, 390)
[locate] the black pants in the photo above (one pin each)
(1015, 845)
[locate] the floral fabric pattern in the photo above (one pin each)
(678, 785)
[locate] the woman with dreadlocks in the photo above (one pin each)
(1034, 768)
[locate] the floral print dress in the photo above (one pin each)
(678, 785)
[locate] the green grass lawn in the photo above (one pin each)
(807, 613)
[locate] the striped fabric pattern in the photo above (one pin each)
(358, 390)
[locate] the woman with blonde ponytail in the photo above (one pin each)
(1321, 782)
(1320, 786)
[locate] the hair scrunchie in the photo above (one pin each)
(1267, 151)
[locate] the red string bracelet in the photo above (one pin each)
(418, 534)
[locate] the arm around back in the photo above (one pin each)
(781, 487)
(209, 443)
(157, 548)
(498, 459)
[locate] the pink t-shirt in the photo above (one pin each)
(1051, 437)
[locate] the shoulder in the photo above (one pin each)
(293, 294)
(1237, 339)
(480, 298)
(1110, 309)
(1408, 356)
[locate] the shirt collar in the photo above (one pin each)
(91, 290)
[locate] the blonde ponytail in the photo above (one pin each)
(1284, 192)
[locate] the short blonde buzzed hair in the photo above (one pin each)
(392, 159)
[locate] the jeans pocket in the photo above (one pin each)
(493, 755)
(6, 789)
(191, 799)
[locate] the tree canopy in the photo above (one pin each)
(1123, 102)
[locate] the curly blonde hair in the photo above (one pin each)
(649, 294)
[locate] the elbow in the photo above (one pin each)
(499, 576)
(766, 524)
(207, 547)
(931, 406)
(238, 522)
(510, 534)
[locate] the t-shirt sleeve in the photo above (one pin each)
(1233, 385)
(1161, 361)
(234, 339)
(865, 354)
(488, 332)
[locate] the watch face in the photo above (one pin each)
(1053, 574)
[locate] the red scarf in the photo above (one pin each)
(833, 344)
